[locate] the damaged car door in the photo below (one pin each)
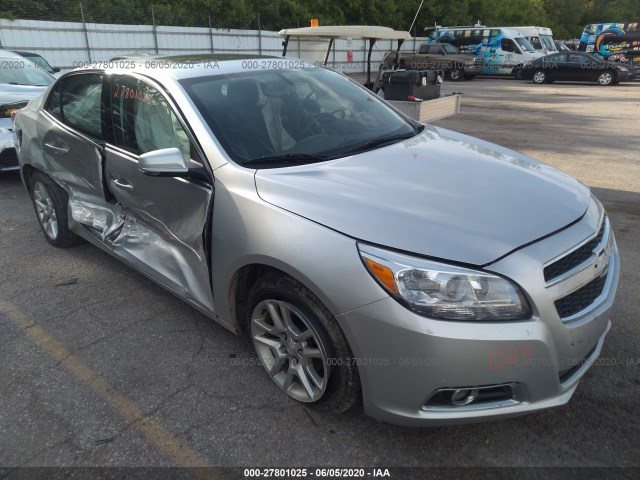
(166, 213)
(71, 144)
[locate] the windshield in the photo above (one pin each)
(38, 60)
(284, 117)
(450, 49)
(20, 71)
(547, 42)
(524, 44)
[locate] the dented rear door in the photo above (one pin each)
(70, 132)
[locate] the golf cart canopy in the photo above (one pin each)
(347, 31)
(317, 49)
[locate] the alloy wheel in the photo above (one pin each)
(290, 349)
(605, 78)
(45, 210)
(539, 77)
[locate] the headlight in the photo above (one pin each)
(623, 69)
(445, 292)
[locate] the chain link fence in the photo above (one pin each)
(147, 30)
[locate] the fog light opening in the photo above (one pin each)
(463, 396)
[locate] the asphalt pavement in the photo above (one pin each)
(99, 367)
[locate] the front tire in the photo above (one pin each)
(301, 345)
(456, 75)
(606, 78)
(540, 77)
(50, 203)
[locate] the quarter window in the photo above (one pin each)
(143, 120)
(76, 101)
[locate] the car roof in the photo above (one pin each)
(9, 54)
(187, 66)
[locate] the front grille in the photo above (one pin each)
(575, 258)
(8, 158)
(581, 298)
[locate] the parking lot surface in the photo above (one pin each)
(101, 367)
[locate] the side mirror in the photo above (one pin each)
(56, 69)
(167, 162)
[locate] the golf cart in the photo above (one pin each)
(315, 44)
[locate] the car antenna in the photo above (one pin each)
(416, 17)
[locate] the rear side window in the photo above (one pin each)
(143, 120)
(76, 101)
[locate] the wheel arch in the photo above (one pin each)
(247, 275)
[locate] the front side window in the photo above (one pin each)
(450, 49)
(76, 101)
(305, 115)
(143, 120)
(507, 45)
(536, 43)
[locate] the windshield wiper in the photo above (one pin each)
(380, 142)
(289, 158)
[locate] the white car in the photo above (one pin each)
(21, 80)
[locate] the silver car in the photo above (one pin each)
(440, 278)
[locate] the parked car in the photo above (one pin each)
(438, 56)
(577, 67)
(20, 81)
(561, 46)
(38, 60)
(443, 278)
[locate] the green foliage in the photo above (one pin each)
(566, 17)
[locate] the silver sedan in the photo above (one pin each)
(440, 278)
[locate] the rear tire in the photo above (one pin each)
(50, 202)
(606, 78)
(540, 77)
(295, 336)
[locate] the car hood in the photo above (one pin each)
(440, 194)
(17, 93)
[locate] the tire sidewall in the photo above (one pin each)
(66, 238)
(537, 73)
(606, 72)
(456, 75)
(284, 288)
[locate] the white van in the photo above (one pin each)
(504, 50)
(540, 38)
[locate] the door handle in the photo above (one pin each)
(58, 147)
(121, 183)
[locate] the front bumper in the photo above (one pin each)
(404, 359)
(474, 69)
(8, 156)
